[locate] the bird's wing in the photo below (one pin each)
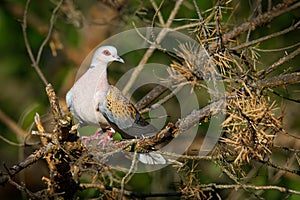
(123, 116)
(152, 158)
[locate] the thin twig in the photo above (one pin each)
(103, 187)
(288, 164)
(35, 61)
(196, 115)
(52, 21)
(271, 164)
(277, 49)
(28, 47)
(128, 193)
(157, 13)
(276, 64)
(12, 125)
(151, 49)
(201, 22)
(187, 157)
(247, 44)
(129, 173)
(218, 16)
(24, 189)
(233, 177)
(287, 98)
(10, 142)
(187, 26)
(155, 45)
(212, 186)
(31, 159)
(260, 20)
(148, 98)
(161, 101)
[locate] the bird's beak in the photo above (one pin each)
(119, 59)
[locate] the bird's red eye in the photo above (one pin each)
(106, 52)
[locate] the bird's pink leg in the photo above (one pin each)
(102, 137)
(95, 136)
(107, 138)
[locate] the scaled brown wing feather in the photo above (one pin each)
(123, 116)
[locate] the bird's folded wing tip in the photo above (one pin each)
(152, 159)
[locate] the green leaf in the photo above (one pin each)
(117, 136)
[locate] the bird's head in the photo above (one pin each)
(106, 54)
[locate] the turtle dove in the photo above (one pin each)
(93, 101)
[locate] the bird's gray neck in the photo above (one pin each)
(98, 73)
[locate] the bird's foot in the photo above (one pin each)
(104, 141)
(111, 132)
(93, 137)
(89, 140)
(107, 138)
(100, 138)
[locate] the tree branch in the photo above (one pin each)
(151, 96)
(211, 187)
(275, 65)
(35, 61)
(12, 125)
(247, 44)
(197, 115)
(276, 11)
(281, 80)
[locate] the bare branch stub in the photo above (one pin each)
(29, 160)
(53, 100)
